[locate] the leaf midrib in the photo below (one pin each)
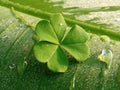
(45, 15)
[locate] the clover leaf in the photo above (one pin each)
(52, 41)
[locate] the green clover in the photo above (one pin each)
(53, 38)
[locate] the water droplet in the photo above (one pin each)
(106, 56)
(25, 63)
(73, 84)
(67, 28)
(20, 25)
(12, 66)
(106, 72)
(117, 19)
(24, 58)
(11, 22)
(17, 28)
(5, 36)
(61, 24)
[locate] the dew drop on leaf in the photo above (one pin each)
(117, 19)
(22, 66)
(106, 56)
(61, 24)
(72, 86)
(25, 63)
(5, 36)
(73, 82)
(12, 66)
(10, 21)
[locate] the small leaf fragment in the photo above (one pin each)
(45, 32)
(44, 50)
(58, 62)
(76, 35)
(59, 25)
(79, 51)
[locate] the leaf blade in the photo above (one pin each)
(43, 51)
(76, 35)
(59, 25)
(58, 62)
(79, 51)
(45, 32)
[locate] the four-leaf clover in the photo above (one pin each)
(54, 38)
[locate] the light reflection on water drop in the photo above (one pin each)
(5, 36)
(73, 82)
(10, 21)
(106, 56)
(72, 86)
(61, 24)
(117, 19)
(12, 66)
(25, 63)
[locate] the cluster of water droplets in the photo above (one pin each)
(4, 23)
(21, 66)
(21, 26)
(25, 62)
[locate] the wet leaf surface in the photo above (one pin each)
(16, 44)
